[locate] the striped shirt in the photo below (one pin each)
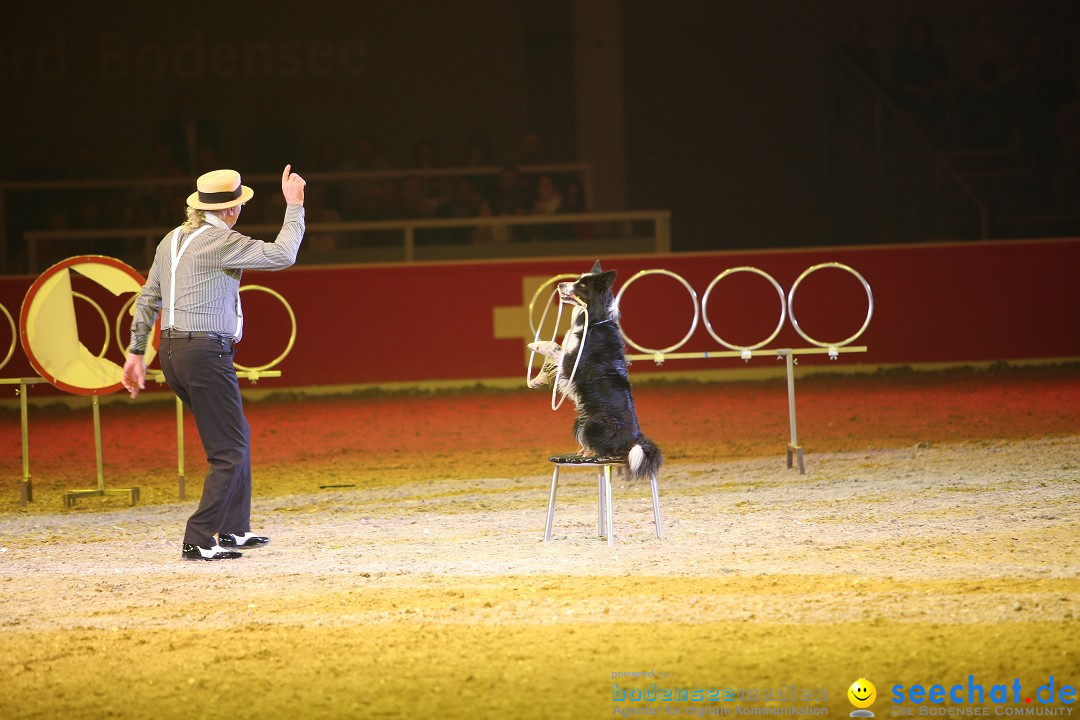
(207, 278)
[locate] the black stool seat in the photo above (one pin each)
(586, 460)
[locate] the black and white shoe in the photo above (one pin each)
(196, 552)
(247, 540)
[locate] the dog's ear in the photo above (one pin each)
(596, 270)
(607, 279)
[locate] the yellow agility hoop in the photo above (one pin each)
(292, 332)
(14, 335)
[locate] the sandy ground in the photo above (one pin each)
(436, 597)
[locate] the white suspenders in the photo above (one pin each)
(177, 252)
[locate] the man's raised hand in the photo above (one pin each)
(292, 186)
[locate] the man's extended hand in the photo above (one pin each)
(292, 187)
(134, 378)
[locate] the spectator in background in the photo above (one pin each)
(318, 211)
(144, 213)
(1060, 49)
(271, 142)
(852, 129)
(38, 162)
(363, 156)
(478, 154)
(1067, 125)
(86, 165)
(412, 203)
(207, 159)
(574, 197)
(368, 205)
(88, 213)
(547, 200)
(464, 202)
(920, 73)
(359, 197)
(329, 159)
(511, 198)
(1040, 97)
(987, 69)
(115, 209)
(478, 151)
(188, 133)
(573, 202)
(426, 156)
(532, 149)
(31, 209)
(162, 166)
(855, 49)
(96, 207)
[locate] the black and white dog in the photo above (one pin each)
(606, 424)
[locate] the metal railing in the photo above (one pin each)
(658, 240)
(943, 169)
(583, 171)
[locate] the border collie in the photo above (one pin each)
(606, 424)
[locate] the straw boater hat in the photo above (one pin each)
(219, 189)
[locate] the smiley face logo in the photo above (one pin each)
(862, 693)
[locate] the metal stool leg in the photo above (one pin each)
(600, 502)
(607, 506)
(656, 509)
(551, 504)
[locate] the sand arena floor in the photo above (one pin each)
(936, 535)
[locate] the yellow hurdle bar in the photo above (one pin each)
(795, 455)
(659, 358)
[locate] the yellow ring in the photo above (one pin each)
(554, 280)
(119, 319)
(151, 350)
(693, 301)
(14, 334)
(732, 271)
(104, 320)
(292, 334)
(869, 304)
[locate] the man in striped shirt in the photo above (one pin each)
(194, 283)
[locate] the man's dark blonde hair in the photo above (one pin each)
(195, 219)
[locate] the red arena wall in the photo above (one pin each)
(941, 303)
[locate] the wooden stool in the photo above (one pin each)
(604, 525)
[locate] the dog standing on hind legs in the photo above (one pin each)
(606, 424)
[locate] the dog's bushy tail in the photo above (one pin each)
(644, 459)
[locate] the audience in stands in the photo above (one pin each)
(188, 134)
(532, 149)
(271, 142)
(318, 211)
(919, 75)
(987, 84)
(986, 68)
(464, 202)
(1041, 94)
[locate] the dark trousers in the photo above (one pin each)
(201, 373)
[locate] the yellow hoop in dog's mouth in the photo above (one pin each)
(529, 378)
